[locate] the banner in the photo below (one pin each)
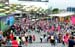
(10, 20)
(73, 20)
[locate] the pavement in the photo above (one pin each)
(38, 44)
(44, 45)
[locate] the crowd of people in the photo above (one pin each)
(55, 32)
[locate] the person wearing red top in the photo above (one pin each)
(66, 38)
(33, 37)
(14, 43)
(11, 36)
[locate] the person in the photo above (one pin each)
(48, 38)
(33, 37)
(52, 39)
(71, 42)
(11, 36)
(44, 35)
(26, 39)
(14, 43)
(41, 38)
(1, 37)
(66, 38)
(23, 39)
(19, 41)
(30, 38)
(59, 38)
(8, 22)
(12, 28)
(8, 41)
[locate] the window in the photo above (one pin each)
(35, 0)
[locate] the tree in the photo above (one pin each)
(55, 10)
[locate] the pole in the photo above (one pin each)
(0, 24)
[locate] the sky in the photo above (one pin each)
(61, 4)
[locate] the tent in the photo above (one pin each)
(64, 14)
(2, 14)
(3, 21)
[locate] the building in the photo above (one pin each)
(71, 9)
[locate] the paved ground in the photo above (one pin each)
(37, 35)
(41, 45)
(38, 44)
(44, 45)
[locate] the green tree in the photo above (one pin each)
(55, 10)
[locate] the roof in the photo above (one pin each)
(63, 14)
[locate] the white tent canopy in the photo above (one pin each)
(17, 11)
(63, 14)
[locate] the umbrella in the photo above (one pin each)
(2, 14)
(2, 10)
(6, 7)
(2, 5)
(17, 11)
(7, 12)
(28, 9)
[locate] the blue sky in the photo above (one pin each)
(61, 4)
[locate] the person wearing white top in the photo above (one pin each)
(23, 39)
(41, 38)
